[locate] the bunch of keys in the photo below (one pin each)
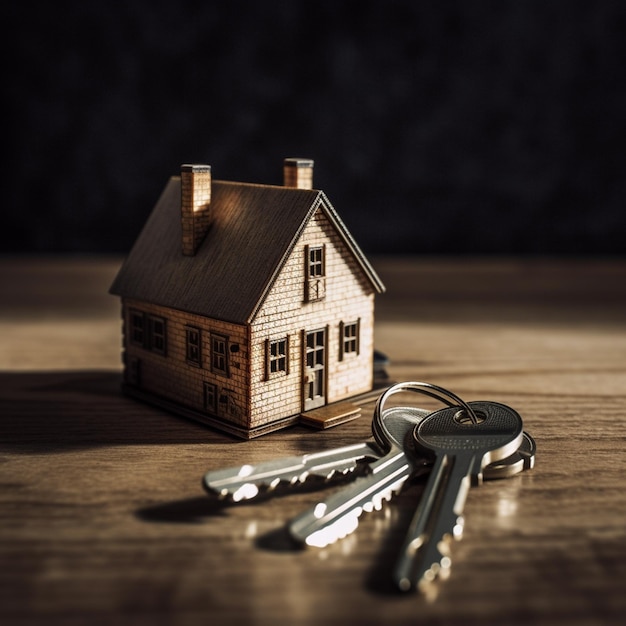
(457, 446)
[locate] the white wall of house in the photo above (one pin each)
(349, 298)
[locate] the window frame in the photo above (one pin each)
(281, 359)
(315, 272)
(316, 266)
(137, 327)
(193, 350)
(157, 340)
(147, 331)
(215, 355)
(349, 343)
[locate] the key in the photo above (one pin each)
(522, 459)
(338, 515)
(247, 481)
(462, 449)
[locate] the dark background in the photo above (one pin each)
(436, 127)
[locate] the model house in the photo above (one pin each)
(247, 306)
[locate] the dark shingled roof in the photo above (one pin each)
(253, 230)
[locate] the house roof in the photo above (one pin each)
(253, 230)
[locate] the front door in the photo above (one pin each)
(315, 369)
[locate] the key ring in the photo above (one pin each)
(428, 389)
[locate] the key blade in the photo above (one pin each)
(435, 562)
(339, 514)
(462, 450)
(247, 481)
(435, 525)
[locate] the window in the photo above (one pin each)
(276, 357)
(219, 356)
(157, 334)
(349, 338)
(315, 285)
(316, 261)
(137, 327)
(193, 346)
(148, 331)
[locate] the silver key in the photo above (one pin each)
(338, 515)
(462, 448)
(522, 459)
(247, 481)
(333, 518)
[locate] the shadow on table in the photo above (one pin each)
(50, 412)
(197, 510)
(187, 511)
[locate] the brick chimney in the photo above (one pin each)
(298, 173)
(195, 205)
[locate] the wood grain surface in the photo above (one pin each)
(103, 519)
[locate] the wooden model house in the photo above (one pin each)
(246, 306)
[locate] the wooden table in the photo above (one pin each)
(103, 519)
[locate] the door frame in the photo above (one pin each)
(308, 403)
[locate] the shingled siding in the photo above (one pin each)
(172, 377)
(349, 298)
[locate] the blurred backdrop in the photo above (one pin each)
(436, 127)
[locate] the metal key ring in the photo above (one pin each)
(428, 389)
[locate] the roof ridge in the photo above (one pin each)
(265, 185)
